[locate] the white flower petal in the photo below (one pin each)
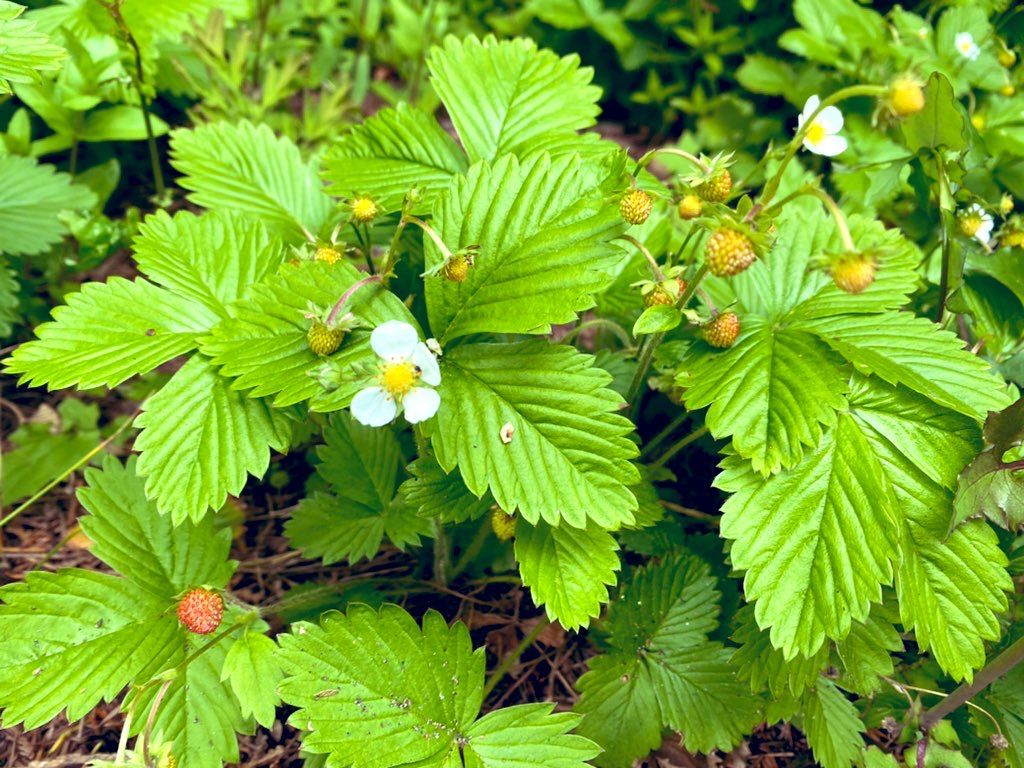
(830, 146)
(373, 407)
(430, 372)
(394, 340)
(976, 208)
(810, 105)
(420, 404)
(984, 233)
(831, 119)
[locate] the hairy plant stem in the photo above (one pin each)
(945, 205)
(651, 261)
(649, 347)
(600, 322)
(339, 305)
(472, 550)
(995, 669)
(364, 247)
(122, 743)
(665, 433)
(645, 160)
(148, 730)
(837, 214)
(678, 446)
(772, 186)
(138, 80)
(507, 663)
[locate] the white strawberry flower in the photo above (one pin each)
(406, 366)
(984, 231)
(821, 137)
(964, 42)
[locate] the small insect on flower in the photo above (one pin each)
(965, 45)
(821, 136)
(406, 375)
(976, 222)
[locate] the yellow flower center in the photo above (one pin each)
(965, 47)
(398, 378)
(815, 133)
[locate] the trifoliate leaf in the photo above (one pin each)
(132, 537)
(253, 673)
(109, 332)
(374, 690)
(569, 455)
(567, 569)
(434, 493)
(264, 345)
(832, 726)
(189, 465)
(31, 197)
(543, 227)
(817, 541)
(247, 169)
(212, 259)
(360, 464)
(950, 585)
(773, 391)
(506, 97)
(25, 53)
(914, 352)
(389, 154)
(660, 650)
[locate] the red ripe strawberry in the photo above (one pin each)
(717, 188)
(722, 330)
(854, 273)
(636, 206)
(201, 610)
(728, 252)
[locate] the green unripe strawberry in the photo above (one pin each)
(717, 188)
(636, 206)
(322, 339)
(722, 330)
(728, 252)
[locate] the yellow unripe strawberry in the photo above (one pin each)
(658, 297)
(978, 121)
(1006, 56)
(722, 330)
(1012, 239)
(969, 224)
(906, 97)
(503, 524)
(728, 252)
(717, 188)
(322, 339)
(456, 268)
(364, 210)
(690, 207)
(636, 206)
(853, 273)
(328, 253)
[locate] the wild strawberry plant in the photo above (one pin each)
(503, 327)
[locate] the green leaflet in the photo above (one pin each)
(247, 169)
(252, 670)
(374, 690)
(189, 467)
(662, 671)
(832, 725)
(389, 154)
(569, 456)
(506, 97)
(432, 492)
(32, 196)
(543, 225)
(567, 569)
(360, 465)
(24, 52)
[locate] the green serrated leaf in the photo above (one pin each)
(865, 653)
(941, 123)
(569, 456)
(435, 493)
(212, 259)
(567, 569)
(817, 542)
(766, 667)
(508, 96)
(543, 226)
(832, 726)
(527, 736)
(25, 52)
(31, 197)
(264, 346)
(190, 467)
(657, 319)
(109, 332)
(251, 669)
(247, 169)
(133, 538)
(392, 152)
